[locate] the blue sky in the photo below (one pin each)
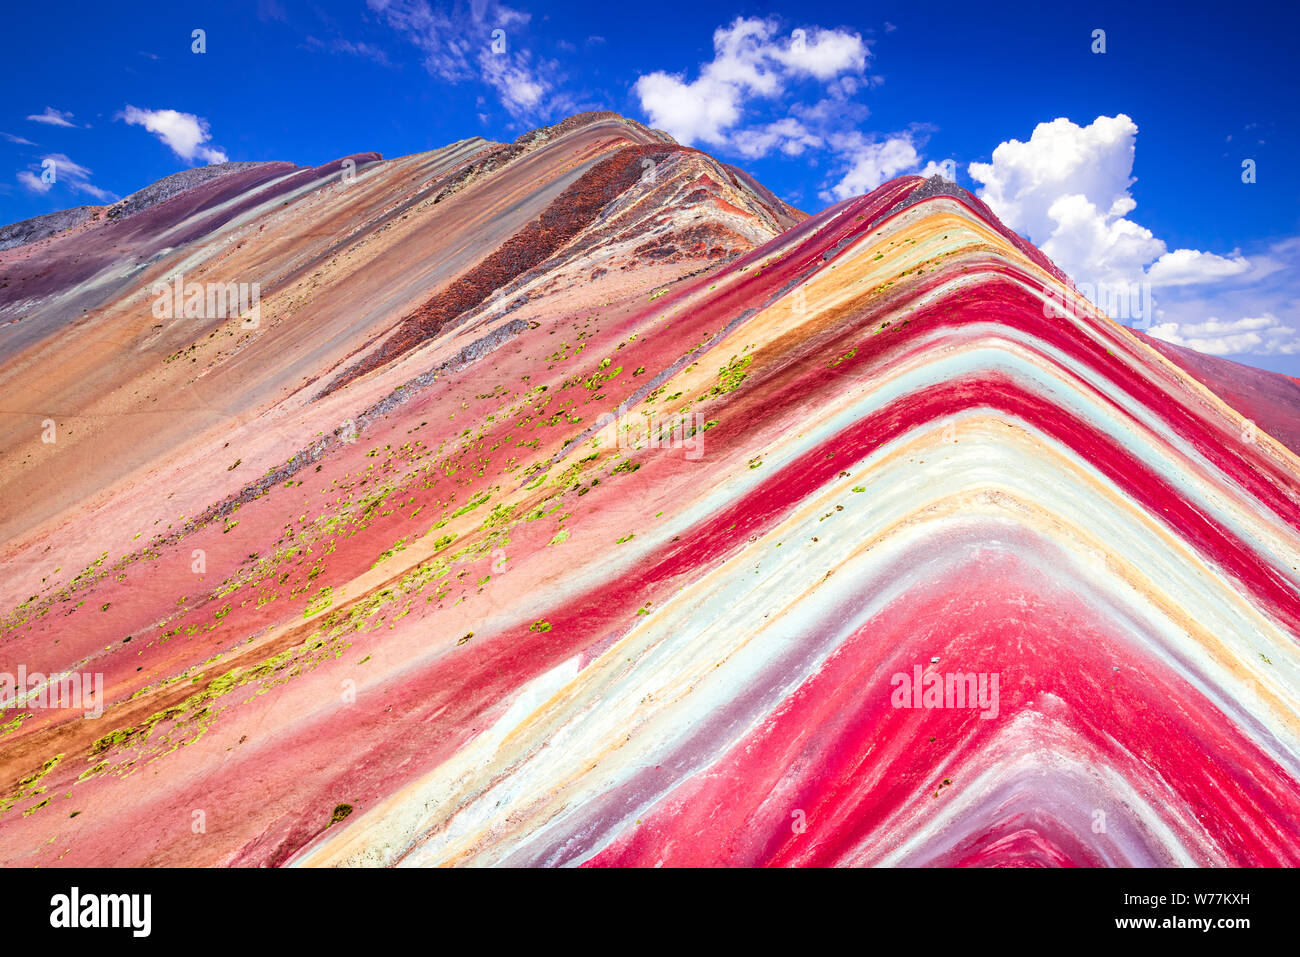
(1125, 166)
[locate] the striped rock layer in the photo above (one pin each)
(577, 502)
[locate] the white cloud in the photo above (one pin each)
(824, 54)
(871, 162)
(445, 43)
(703, 110)
(34, 182)
(947, 169)
(750, 61)
(1267, 295)
(1068, 190)
(837, 110)
(1263, 335)
(67, 173)
(1184, 267)
(789, 135)
(184, 133)
(757, 71)
(366, 51)
(524, 88)
(1095, 245)
(458, 46)
(1065, 175)
(17, 139)
(53, 117)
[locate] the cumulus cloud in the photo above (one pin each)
(184, 133)
(823, 54)
(751, 61)
(1060, 159)
(703, 110)
(1068, 190)
(66, 173)
(53, 117)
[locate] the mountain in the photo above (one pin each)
(577, 501)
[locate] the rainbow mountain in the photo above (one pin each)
(576, 501)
